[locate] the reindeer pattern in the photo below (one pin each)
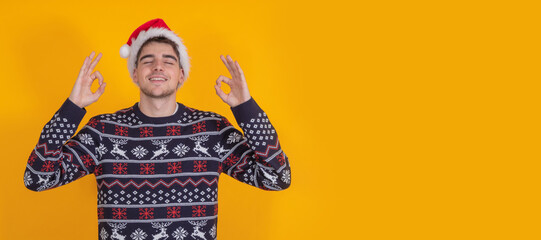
(163, 230)
(180, 167)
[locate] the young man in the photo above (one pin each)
(157, 163)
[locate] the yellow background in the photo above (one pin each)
(401, 119)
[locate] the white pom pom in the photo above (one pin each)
(125, 51)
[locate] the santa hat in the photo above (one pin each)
(150, 29)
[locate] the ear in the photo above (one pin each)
(181, 79)
(134, 80)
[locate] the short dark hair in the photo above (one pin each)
(159, 39)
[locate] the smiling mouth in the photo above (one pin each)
(157, 79)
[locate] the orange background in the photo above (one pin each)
(401, 119)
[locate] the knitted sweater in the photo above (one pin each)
(157, 178)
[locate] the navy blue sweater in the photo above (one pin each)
(157, 178)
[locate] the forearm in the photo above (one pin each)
(51, 162)
(261, 160)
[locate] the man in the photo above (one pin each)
(157, 163)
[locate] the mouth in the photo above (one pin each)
(157, 78)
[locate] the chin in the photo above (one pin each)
(158, 94)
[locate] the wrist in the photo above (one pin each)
(80, 105)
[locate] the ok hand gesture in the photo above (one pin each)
(239, 89)
(81, 94)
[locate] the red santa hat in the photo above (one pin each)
(150, 29)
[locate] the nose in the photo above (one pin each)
(158, 66)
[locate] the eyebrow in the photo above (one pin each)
(152, 55)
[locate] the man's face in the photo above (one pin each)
(158, 73)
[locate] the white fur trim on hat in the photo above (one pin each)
(155, 32)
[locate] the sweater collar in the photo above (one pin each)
(169, 119)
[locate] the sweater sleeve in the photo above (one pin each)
(256, 158)
(58, 159)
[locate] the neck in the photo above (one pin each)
(158, 107)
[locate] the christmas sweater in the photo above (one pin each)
(157, 177)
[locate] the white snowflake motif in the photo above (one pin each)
(104, 234)
(138, 235)
(286, 176)
(27, 179)
(86, 139)
(233, 138)
(101, 149)
(180, 233)
(181, 149)
(212, 231)
(139, 151)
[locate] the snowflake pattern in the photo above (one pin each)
(173, 130)
(101, 150)
(146, 213)
(281, 159)
(286, 176)
(234, 137)
(200, 166)
(121, 131)
(100, 213)
(231, 159)
(180, 233)
(174, 167)
(93, 122)
(27, 179)
(104, 234)
(198, 211)
(86, 139)
(139, 151)
(138, 234)
(145, 132)
(173, 212)
(87, 160)
(119, 213)
(212, 231)
(199, 127)
(98, 170)
(147, 168)
(181, 149)
(32, 158)
(48, 166)
(120, 168)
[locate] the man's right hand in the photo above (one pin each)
(81, 94)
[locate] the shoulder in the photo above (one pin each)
(122, 116)
(192, 115)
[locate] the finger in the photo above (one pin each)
(99, 92)
(94, 63)
(240, 70)
(83, 69)
(235, 72)
(98, 75)
(229, 68)
(223, 78)
(90, 57)
(220, 92)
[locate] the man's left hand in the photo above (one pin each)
(239, 89)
